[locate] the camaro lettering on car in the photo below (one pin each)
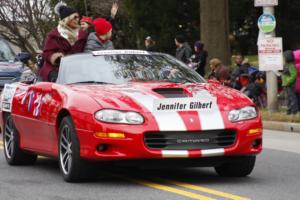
(205, 140)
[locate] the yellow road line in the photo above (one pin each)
(169, 189)
(175, 190)
(207, 190)
(162, 186)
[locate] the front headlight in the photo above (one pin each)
(245, 113)
(27, 76)
(120, 117)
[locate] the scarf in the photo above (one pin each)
(66, 32)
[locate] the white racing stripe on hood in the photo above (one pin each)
(210, 120)
(169, 121)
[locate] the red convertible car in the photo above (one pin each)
(129, 105)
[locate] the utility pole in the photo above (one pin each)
(269, 51)
(272, 87)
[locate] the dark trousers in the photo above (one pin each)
(292, 103)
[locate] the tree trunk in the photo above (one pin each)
(215, 28)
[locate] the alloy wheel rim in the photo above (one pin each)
(9, 138)
(65, 150)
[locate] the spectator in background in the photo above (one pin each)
(241, 68)
(26, 59)
(297, 63)
(183, 51)
(64, 40)
(100, 39)
(198, 60)
(150, 44)
(288, 77)
(218, 71)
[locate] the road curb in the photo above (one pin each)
(282, 126)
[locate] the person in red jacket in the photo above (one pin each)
(67, 38)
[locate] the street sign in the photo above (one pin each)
(262, 3)
(270, 54)
(266, 23)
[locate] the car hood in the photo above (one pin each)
(134, 96)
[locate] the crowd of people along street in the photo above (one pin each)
(75, 34)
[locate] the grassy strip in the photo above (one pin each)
(279, 116)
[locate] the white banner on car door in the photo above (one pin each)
(7, 97)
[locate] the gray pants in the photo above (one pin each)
(292, 103)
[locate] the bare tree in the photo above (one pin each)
(100, 8)
(25, 23)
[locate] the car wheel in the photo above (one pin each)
(72, 167)
(11, 141)
(237, 168)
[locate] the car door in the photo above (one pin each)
(32, 119)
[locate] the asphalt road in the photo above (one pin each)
(276, 176)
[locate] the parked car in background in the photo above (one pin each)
(11, 69)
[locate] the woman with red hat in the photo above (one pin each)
(100, 39)
(65, 39)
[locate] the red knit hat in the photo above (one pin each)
(87, 20)
(102, 26)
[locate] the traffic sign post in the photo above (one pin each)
(268, 59)
(264, 3)
(270, 54)
(266, 23)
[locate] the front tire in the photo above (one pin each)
(13, 153)
(72, 168)
(237, 168)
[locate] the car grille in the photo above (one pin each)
(190, 140)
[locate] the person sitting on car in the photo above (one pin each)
(100, 39)
(86, 23)
(65, 39)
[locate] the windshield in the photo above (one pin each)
(6, 53)
(123, 68)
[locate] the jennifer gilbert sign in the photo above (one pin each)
(184, 104)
